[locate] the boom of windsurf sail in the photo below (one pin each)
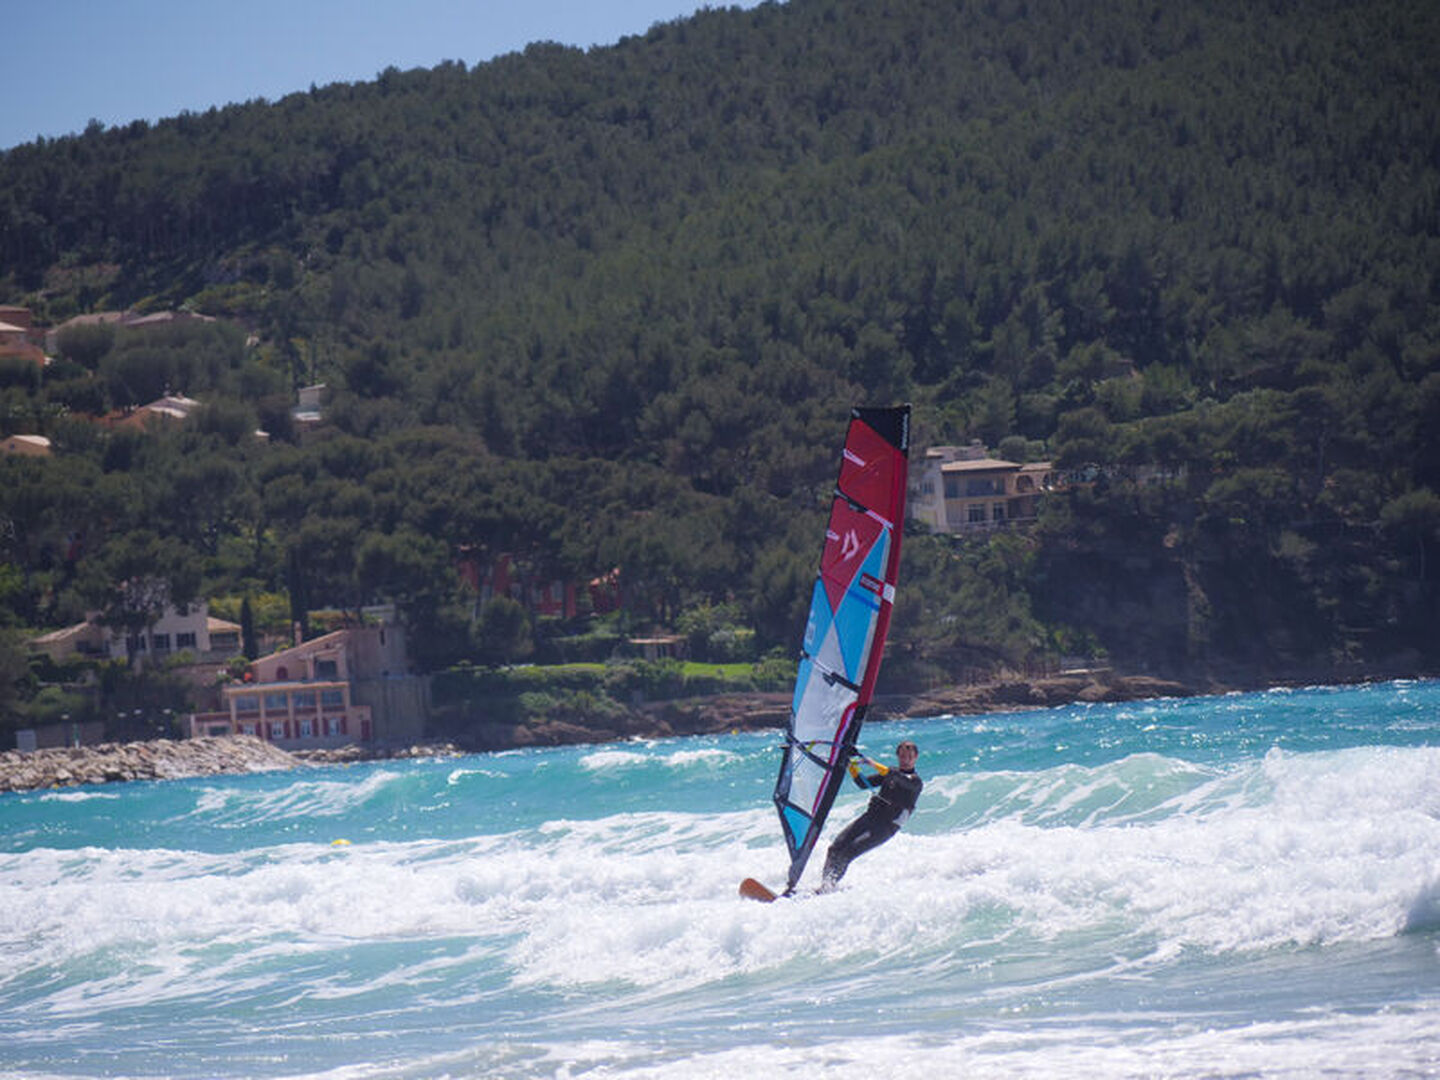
(845, 631)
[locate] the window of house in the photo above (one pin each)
(247, 703)
(977, 515)
(332, 699)
(332, 725)
(185, 641)
(952, 488)
(277, 729)
(997, 512)
(135, 643)
(160, 642)
(307, 729)
(247, 729)
(326, 669)
(305, 699)
(274, 703)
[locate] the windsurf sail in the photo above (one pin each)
(845, 631)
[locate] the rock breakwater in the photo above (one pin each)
(158, 759)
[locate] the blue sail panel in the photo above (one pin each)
(859, 612)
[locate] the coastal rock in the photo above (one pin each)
(345, 755)
(1005, 695)
(160, 759)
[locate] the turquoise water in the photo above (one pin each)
(1238, 886)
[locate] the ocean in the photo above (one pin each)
(1236, 886)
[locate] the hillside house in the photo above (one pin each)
(170, 409)
(309, 410)
(539, 594)
(963, 489)
(26, 446)
(126, 319)
(191, 629)
(18, 338)
(16, 317)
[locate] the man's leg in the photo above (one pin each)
(860, 836)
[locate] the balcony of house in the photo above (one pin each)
(965, 516)
(293, 716)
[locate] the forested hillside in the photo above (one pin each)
(610, 308)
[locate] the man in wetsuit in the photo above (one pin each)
(889, 808)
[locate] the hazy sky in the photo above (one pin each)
(67, 62)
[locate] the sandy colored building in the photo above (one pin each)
(962, 489)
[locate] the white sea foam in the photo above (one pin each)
(304, 798)
(708, 756)
(1387, 1044)
(615, 759)
(78, 796)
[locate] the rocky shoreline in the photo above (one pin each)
(156, 759)
(164, 759)
(168, 759)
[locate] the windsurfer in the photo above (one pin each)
(888, 810)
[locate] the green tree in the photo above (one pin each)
(14, 679)
(1415, 519)
(503, 633)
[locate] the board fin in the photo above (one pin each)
(753, 890)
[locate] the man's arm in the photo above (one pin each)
(866, 781)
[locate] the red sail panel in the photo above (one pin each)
(868, 472)
(849, 538)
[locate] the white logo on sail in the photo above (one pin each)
(851, 545)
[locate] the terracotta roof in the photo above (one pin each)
(25, 351)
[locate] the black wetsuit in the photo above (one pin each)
(889, 808)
